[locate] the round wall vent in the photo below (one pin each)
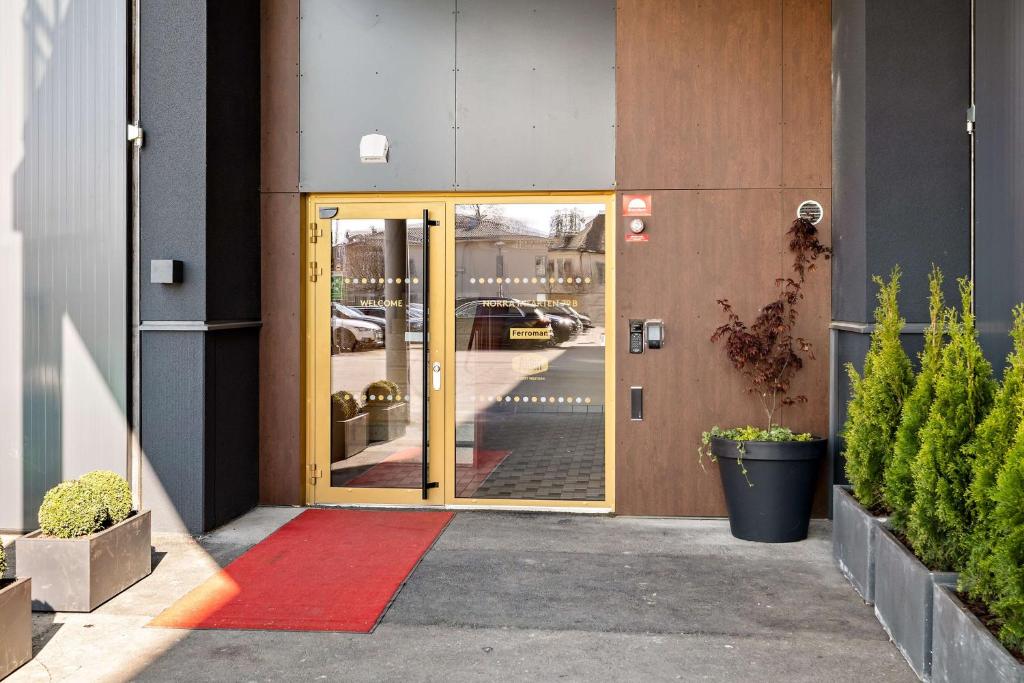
(810, 210)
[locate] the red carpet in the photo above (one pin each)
(326, 570)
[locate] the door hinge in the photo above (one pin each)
(135, 134)
(314, 473)
(314, 271)
(972, 119)
(315, 232)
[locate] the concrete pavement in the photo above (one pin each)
(505, 596)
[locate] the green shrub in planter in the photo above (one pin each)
(941, 516)
(70, 510)
(988, 450)
(382, 391)
(1008, 551)
(345, 405)
(3, 561)
(877, 402)
(113, 492)
(898, 490)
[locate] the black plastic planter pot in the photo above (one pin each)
(772, 504)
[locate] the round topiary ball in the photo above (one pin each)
(70, 510)
(113, 491)
(382, 391)
(345, 405)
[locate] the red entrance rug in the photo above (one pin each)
(326, 570)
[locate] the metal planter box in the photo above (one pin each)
(15, 625)
(963, 649)
(348, 437)
(387, 423)
(79, 574)
(903, 599)
(853, 541)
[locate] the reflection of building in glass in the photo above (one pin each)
(558, 254)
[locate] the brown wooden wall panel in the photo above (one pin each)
(699, 94)
(279, 96)
(281, 455)
(724, 111)
(807, 93)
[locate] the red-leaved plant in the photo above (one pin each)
(767, 352)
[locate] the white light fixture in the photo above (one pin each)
(373, 149)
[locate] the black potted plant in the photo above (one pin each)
(348, 426)
(770, 472)
(387, 409)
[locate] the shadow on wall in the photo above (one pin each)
(63, 252)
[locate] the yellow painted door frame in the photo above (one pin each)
(316, 362)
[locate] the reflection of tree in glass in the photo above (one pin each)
(481, 211)
(566, 223)
(364, 257)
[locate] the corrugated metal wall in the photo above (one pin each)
(63, 247)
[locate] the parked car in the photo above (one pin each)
(563, 328)
(566, 314)
(351, 335)
(588, 324)
(413, 315)
(500, 323)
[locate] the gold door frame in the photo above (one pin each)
(442, 348)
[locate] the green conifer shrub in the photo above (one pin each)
(877, 398)
(1008, 552)
(988, 450)
(898, 491)
(940, 516)
(3, 561)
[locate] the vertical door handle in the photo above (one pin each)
(436, 371)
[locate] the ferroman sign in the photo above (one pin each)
(529, 333)
(636, 205)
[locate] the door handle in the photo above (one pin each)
(436, 372)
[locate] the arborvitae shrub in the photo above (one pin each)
(3, 561)
(940, 517)
(988, 450)
(877, 402)
(1008, 552)
(899, 481)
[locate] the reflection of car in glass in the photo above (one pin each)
(413, 315)
(499, 323)
(350, 335)
(563, 328)
(588, 324)
(350, 313)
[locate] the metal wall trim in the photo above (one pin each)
(196, 325)
(868, 328)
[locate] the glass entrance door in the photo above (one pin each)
(458, 350)
(530, 349)
(375, 353)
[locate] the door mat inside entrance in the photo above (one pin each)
(326, 570)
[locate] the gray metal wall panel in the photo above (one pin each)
(386, 66)
(172, 422)
(173, 163)
(535, 95)
(63, 247)
(999, 170)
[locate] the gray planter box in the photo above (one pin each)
(79, 574)
(15, 625)
(903, 599)
(853, 541)
(387, 423)
(348, 437)
(963, 649)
